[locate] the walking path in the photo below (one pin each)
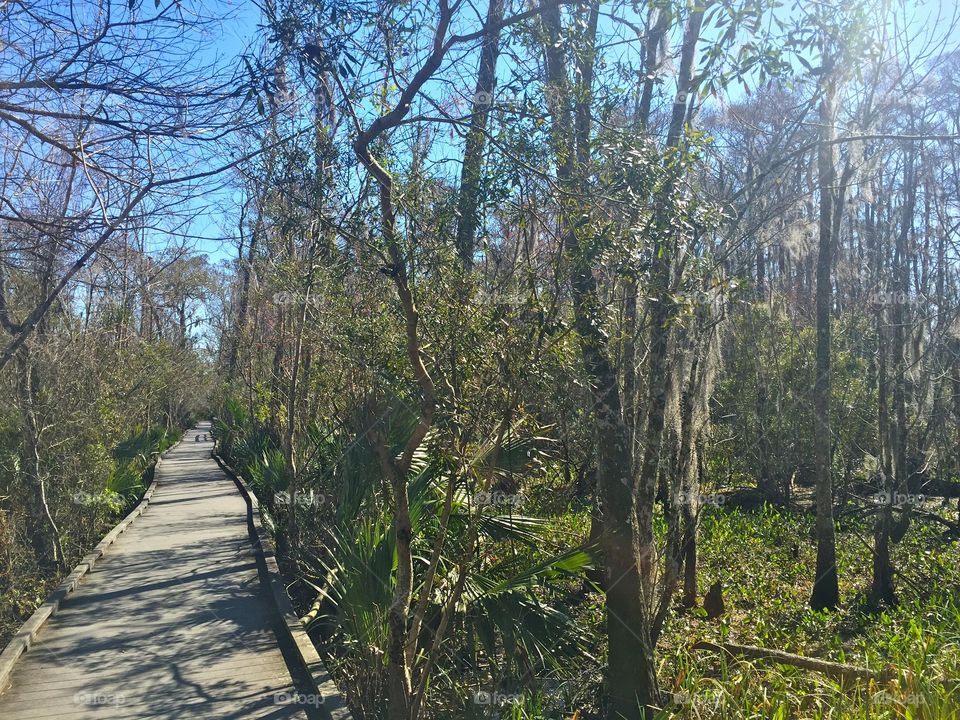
(171, 623)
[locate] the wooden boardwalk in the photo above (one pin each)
(171, 623)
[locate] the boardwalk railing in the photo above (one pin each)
(331, 701)
(27, 634)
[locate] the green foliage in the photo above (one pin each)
(133, 468)
(86, 509)
(765, 563)
(766, 389)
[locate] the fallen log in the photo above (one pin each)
(841, 671)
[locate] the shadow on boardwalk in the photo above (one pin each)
(173, 622)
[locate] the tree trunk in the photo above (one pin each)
(826, 592)
(246, 270)
(690, 519)
(468, 203)
(661, 313)
(289, 436)
(681, 500)
(399, 680)
(882, 590)
(41, 527)
(658, 23)
(631, 670)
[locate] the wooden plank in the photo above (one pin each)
(171, 622)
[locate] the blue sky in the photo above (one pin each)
(214, 227)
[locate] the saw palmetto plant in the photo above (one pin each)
(485, 622)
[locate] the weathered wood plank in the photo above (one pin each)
(172, 621)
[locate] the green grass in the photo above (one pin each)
(765, 560)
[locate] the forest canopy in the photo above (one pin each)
(590, 360)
